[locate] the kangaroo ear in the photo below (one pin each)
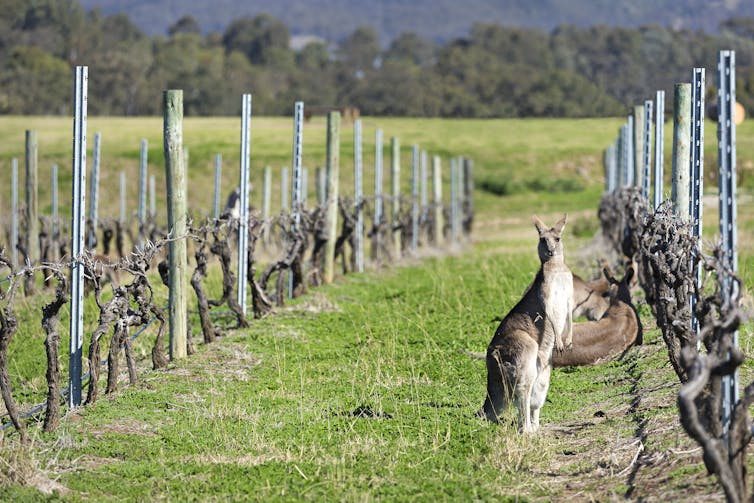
(558, 227)
(629, 274)
(609, 276)
(539, 224)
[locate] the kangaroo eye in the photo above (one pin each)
(557, 240)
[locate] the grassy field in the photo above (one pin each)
(362, 390)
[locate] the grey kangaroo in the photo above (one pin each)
(614, 333)
(519, 356)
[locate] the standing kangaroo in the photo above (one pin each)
(615, 332)
(519, 356)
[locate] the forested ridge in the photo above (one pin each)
(494, 71)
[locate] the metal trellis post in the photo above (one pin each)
(726, 131)
(659, 147)
(78, 226)
(243, 218)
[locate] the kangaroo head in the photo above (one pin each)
(619, 289)
(550, 244)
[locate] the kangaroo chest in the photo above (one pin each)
(557, 294)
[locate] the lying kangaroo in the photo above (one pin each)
(591, 298)
(518, 358)
(616, 331)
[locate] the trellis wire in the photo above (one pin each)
(726, 127)
(14, 211)
(243, 223)
(414, 197)
(358, 194)
(659, 147)
(94, 191)
(78, 206)
(647, 153)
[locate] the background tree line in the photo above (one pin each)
(495, 71)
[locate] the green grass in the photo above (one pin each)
(270, 413)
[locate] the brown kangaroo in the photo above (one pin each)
(591, 298)
(614, 333)
(518, 358)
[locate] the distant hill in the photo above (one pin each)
(438, 20)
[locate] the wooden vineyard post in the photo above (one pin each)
(414, 197)
(78, 226)
(637, 135)
(423, 192)
(266, 204)
(395, 193)
(14, 211)
(94, 192)
(175, 176)
(32, 206)
(681, 149)
(141, 210)
(284, 190)
(439, 224)
(218, 183)
(123, 216)
(55, 230)
(333, 167)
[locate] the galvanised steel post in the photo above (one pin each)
(659, 147)
(726, 133)
(94, 192)
(243, 219)
(697, 174)
(647, 154)
(298, 143)
(358, 194)
(78, 226)
(453, 200)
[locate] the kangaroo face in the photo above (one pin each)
(550, 244)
